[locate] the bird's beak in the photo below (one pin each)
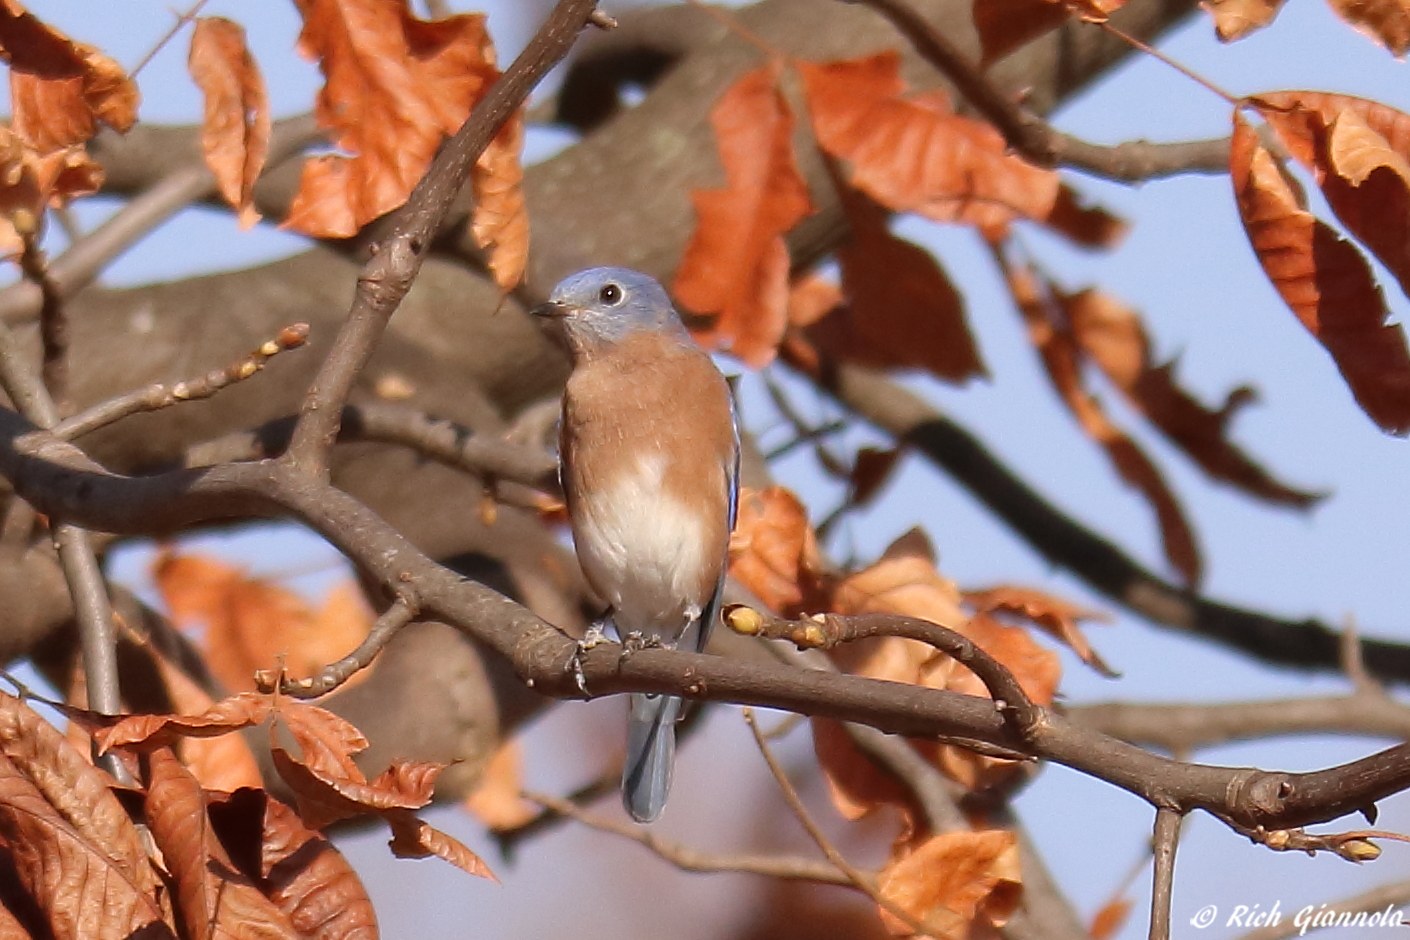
(551, 310)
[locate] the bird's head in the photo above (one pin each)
(603, 306)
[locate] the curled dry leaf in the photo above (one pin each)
(147, 732)
(30, 180)
(1062, 357)
(82, 892)
(1324, 279)
(217, 900)
(1057, 617)
(1235, 19)
(500, 222)
(74, 788)
(915, 154)
(311, 882)
(496, 801)
(870, 471)
(902, 312)
(394, 87)
(1112, 335)
(773, 551)
(955, 882)
(736, 264)
(412, 837)
(236, 126)
(60, 90)
(1385, 21)
(251, 624)
(1107, 922)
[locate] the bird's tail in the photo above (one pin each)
(651, 750)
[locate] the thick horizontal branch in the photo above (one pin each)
(59, 480)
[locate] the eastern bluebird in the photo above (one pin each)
(650, 470)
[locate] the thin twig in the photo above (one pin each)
(397, 259)
(861, 880)
(159, 395)
(731, 23)
(336, 673)
(688, 859)
(1167, 835)
(53, 324)
(1035, 138)
(1155, 53)
(181, 21)
(824, 631)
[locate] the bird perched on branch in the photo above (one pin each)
(650, 470)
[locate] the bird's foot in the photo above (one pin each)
(636, 641)
(594, 637)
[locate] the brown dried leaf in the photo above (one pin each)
(902, 312)
(1112, 335)
(914, 154)
(60, 90)
(953, 881)
(500, 222)
(773, 551)
(84, 894)
(1325, 280)
(11, 928)
(74, 788)
(810, 298)
(870, 471)
(1235, 19)
(29, 181)
(1004, 25)
(311, 882)
(252, 624)
(326, 741)
(1055, 616)
(223, 762)
(736, 263)
(855, 784)
(395, 87)
(412, 837)
(1385, 21)
(497, 801)
(217, 900)
(149, 732)
(1062, 357)
(235, 132)
(903, 581)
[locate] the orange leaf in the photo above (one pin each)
(496, 800)
(326, 741)
(903, 581)
(1053, 337)
(311, 882)
(1385, 21)
(915, 154)
(235, 132)
(148, 732)
(1115, 339)
(736, 264)
(412, 837)
(80, 890)
(1235, 19)
(955, 880)
(30, 180)
(217, 900)
(1054, 615)
(856, 785)
(395, 86)
(1004, 25)
(870, 471)
(74, 788)
(251, 624)
(772, 551)
(902, 312)
(60, 90)
(501, 219)
(224, 762)
(1325, 280)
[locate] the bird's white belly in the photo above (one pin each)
(644, 551)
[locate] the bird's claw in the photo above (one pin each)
(594, 637)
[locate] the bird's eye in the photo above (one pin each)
(610, 294)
